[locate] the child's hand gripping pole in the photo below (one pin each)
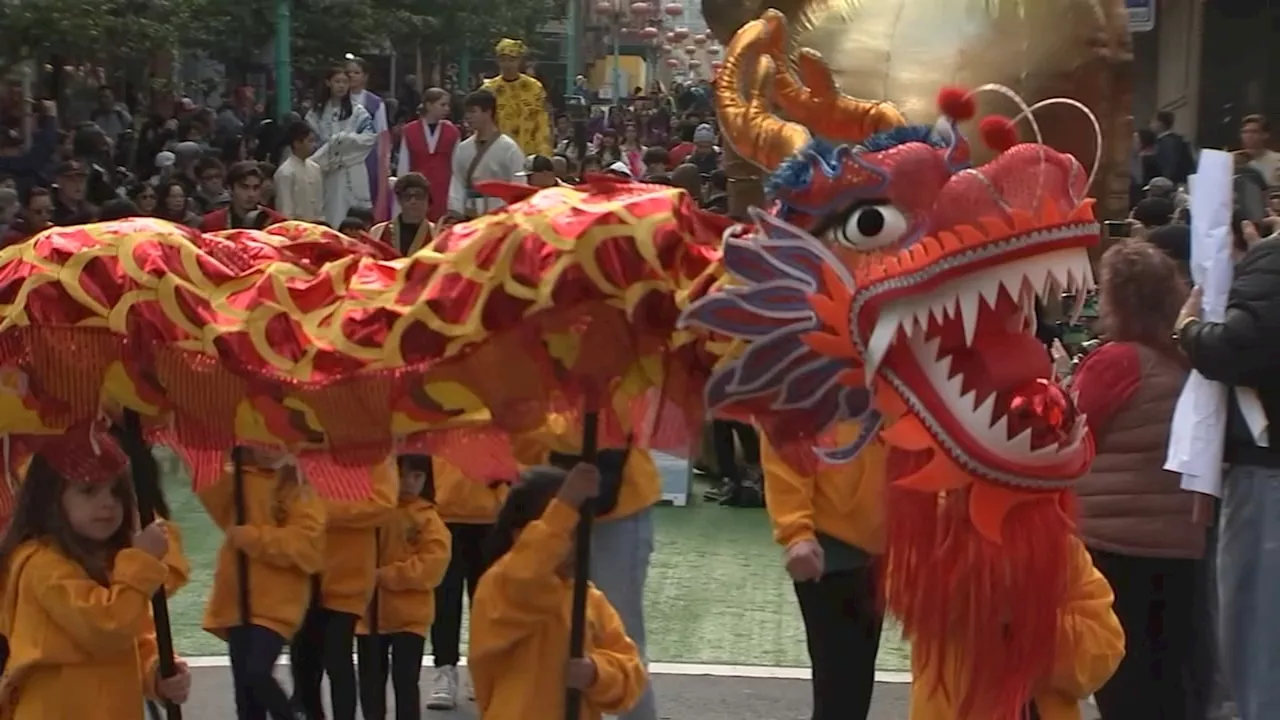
(146, 488)
(582, 567)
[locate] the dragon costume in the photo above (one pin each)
(893, 284)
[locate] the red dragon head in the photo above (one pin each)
(896, 284)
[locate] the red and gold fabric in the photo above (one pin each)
(301, 337)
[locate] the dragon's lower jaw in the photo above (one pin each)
(965, 360)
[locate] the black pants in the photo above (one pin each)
(463, 574)
(1156, 604)
(400, 656)
(254, 650)
(842, 628)
(323, 646)
(723, 433)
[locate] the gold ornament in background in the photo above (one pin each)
(904, 51)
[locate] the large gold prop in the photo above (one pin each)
(904, 51)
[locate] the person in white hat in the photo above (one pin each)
(619, 169)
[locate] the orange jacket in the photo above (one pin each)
(459, 499)
(1090, 646)
(641, 482)
(351, 548)
(283, 539)
(416, 549)
(845, 501)
(520, 627)
(77, 649)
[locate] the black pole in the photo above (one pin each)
(242, 562)
(582, 567)
(146, 487)
(373, 604)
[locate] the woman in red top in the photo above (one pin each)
(1134, 517)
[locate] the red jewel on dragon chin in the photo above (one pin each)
(1046, 409)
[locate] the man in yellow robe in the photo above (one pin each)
(522, 101)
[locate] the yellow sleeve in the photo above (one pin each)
(620, 675)
(96, 617)
(521, 590)
(299, 543)
(149, 658)
(1090, 639)
(175, 561)
(371, 512)
(424, 569)
(788, 497)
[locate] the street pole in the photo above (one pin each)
(617, 56)
(284, 58)
(571, 59)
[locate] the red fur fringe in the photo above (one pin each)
(980, 615)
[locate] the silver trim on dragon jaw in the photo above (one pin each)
(1038, 276)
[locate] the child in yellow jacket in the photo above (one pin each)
(469, 508)
(519, 654)
(77, 586)
(282, 541)
(323, 644)
(413, 552)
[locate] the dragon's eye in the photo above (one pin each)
(871, 226)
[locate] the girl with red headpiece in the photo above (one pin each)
(77, 585)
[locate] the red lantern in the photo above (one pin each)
(604, 7)
(695, 64)
(641, 8)
(674, 9)
(716, 65)
(713, 50)
(680, 33)
(670, 37)
(673, 63)
(690, 50)
(699, 39)
(650, 33)
(664, 47)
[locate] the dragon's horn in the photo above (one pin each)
(813, 99)
(750, 127)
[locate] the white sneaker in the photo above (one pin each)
(444, 689)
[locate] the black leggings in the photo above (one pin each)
(254, 650)
(323, 646)
(463, 574)
(405, 668)
(842, 627)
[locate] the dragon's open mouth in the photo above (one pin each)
(964, 355)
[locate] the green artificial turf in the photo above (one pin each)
(716, 592)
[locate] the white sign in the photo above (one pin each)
(1142, 15)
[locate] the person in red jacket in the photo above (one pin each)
(246, 210)
(426, 148)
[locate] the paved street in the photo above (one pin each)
(681, 697)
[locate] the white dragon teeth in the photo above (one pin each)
(1024, 280)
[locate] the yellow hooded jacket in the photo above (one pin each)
(78, 649)
(351, 550)
(520, 626)
(416, 548)
(845, 502)
(283, 538)
(462, 500)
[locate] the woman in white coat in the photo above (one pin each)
(347, 136)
